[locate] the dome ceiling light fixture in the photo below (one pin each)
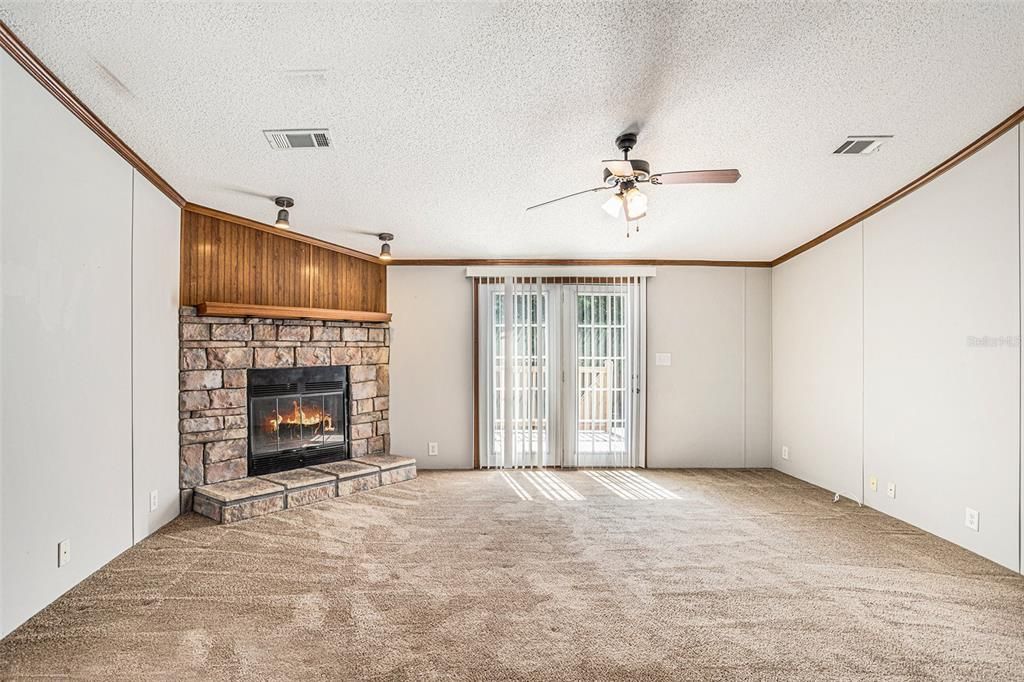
(282, 216)
(624, 175)
(385, 247)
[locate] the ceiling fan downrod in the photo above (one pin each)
(625, 142)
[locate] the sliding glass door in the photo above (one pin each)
(561, 377)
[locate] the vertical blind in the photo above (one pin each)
(517, 371)
(605, 348)
(561, 371)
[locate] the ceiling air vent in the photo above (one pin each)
(862, 144)
(315, 138)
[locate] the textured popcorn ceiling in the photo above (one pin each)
(450, 119)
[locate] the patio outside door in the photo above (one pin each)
(561, 379)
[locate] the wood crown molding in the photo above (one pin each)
(287, 234)
(962, 155)
(28, 61)
(580, 261)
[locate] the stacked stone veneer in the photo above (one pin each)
(217, 352)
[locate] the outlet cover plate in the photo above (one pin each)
(785, 452)
(891, 490)
(63, 553)
(432, 449)
(971, 518)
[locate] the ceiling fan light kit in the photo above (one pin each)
(628, 200)
(613, 206)
(624, 174)
(635, 202)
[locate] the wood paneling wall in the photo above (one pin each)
(230, 261)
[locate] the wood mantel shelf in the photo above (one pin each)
(215, 309)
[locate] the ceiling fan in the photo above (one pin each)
(624, 175)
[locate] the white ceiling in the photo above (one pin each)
(450, 119)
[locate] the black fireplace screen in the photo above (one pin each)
(297, 421)
(297, 417)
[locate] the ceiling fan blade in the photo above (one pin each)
(595, 189)
(695, 177)
(619, 168)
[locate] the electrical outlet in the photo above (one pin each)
(873, 482)
(432, 449)
(663, 359)
(153, 500)
(63, 553)
(785, 452)
(971, 518)
(891, 492)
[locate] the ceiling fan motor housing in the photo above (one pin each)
(641, 171)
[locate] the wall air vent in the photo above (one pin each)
(862, 144)
(314, 138)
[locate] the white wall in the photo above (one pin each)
(874, 373)
(710, 407)
(817, 364)
(432, 364)
(758, 367)
(156, 243)
(3, 79)
(941, 417)
(66, 382)
(66, 362)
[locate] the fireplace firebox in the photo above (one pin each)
(298, 416)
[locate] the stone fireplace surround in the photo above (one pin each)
(215, 354)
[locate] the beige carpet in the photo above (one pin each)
(675, 575)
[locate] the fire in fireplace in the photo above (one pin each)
(297, 417)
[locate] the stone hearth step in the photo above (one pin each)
(304, 486)
(245, 498)
(353, 477)
(393, 469)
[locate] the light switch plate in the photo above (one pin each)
(663, 359)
